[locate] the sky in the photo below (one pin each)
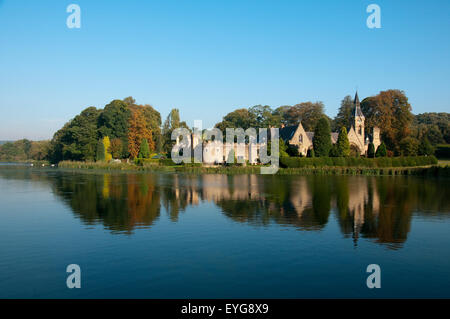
(207, 58)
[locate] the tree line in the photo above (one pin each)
(402, 132)
(124, 129)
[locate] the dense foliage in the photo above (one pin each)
(322, 138)
(297, 162)
(24, 150)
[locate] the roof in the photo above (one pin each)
(287, 132)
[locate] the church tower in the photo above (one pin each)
(359, 119)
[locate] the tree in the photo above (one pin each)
(371, 151)
(264, 116)
(434, 122)
(391, 111)
(343, 145)
(310, 153)
(137, 131)
(409, 146)
(144, 151)
(171, 123)
(116, 147)
(344, 118)
(78, 138)
(322, 138)
(334, 151)
(100, 156)
(107, 145)
(425, 147)
(381, 150)
(114, 121)
(308, 113)
(240, 118)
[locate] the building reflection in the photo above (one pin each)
(370, 208)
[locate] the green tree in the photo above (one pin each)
(100, 156)
(171, 123)
(409, 146)
(381, 150)
(77, 140)
(240, 118)
(310, 153)
(144, 151)
(343, 145)
(264, 116)
(344, 118)
(322, 138)
(371, 151)
(114, 122)
(334, 151)
(308, 113)
(425, 147)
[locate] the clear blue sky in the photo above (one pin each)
(210, 57)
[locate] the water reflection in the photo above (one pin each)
(380, 209)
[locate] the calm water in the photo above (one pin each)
(216, 236)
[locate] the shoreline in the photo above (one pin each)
(429, 170)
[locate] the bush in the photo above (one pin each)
(296, 162)
(381, 150)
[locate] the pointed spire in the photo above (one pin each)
(358, 111)
(356, 101)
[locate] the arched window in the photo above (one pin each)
(360, 130)
(300, 138)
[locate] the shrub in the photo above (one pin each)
(381, 150)
(322, 138)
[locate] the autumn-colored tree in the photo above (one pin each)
(391, 111)
(138, 130)
(116, 147)
(107, 145)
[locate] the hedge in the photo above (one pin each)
(407, 161)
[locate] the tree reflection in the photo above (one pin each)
(379, 209)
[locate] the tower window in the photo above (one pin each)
(360, 130)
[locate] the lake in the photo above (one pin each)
(141, 235)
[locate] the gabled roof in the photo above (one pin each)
(287, 132)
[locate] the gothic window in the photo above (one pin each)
(360, 130)
(300, 138)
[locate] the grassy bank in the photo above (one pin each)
(431, 170)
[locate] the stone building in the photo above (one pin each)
(359, 140)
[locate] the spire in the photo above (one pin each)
(358, 111)
(356, 101)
